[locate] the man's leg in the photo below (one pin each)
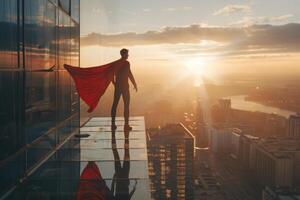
(117, 95)
(126, 99)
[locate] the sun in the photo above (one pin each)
(196, 66)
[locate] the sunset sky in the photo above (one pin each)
(193, 36)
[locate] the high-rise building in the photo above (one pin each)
(277, 161)
(39, 109)
(170, 157)
(246, 150)
(225, 140)
(294, 126)
(202, 132)
(225, 106)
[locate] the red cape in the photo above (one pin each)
(91, 185)
(92, 82)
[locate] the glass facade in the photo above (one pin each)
(40, 109)
(171, 157)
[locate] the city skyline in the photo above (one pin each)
(209, 100)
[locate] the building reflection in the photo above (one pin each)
(39, 110)
(170, 157)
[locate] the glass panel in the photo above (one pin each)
(65, 4)
(10, 104)
(40, 103)
(9, 34)
(53, 180)
(64, 97)
(64, 34)
(11, 171)
(40, 34)
(75, 62)
(54, 1)
(11, 135)
(75, 10)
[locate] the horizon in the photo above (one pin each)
(210, 39)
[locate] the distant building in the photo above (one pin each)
(220, 140)
(225, 106)
(277, 161)
(202, 133)
(280, 194)
(171, 156)
(294, 126)
(226, 140)
(246, 150)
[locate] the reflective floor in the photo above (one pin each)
(105, 165)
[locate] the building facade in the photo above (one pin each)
(39, 108)
(170, 157)
(270, 193)
(294, 126)
(276, 161)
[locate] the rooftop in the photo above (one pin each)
(116, 160)
(280, 147)
(171, 130)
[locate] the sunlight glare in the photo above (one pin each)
(196, 66)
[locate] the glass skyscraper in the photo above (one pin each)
(171, 157)
(39, 109)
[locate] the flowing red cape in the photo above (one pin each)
(92, 82)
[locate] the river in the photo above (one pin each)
(238, 102)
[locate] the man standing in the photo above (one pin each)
(121, 84)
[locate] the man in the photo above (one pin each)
(121, 84)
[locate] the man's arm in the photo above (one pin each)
(130, 75)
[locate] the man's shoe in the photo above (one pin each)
(127, 127)
(113, 127)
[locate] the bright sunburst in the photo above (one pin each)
(196, 66)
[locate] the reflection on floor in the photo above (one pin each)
(105, 165)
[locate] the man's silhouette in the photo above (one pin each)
(122, 88)
(120, 182)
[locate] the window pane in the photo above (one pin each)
(9, 34)
(75, 5)
(75, 62)
(64, 39)
(10, 83)
(65, 4)
(40, 103)
(54, 1)
(40, 34)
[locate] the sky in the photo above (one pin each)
(193, 36)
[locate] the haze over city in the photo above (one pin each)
(154, 100)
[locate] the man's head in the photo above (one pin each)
(124, 53)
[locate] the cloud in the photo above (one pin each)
(187, 8)
(146, 10)
(232, 40)
(96, 10)
(248, 21)
(170, 9)
(168, 35)
(233, 9)
(184, 8)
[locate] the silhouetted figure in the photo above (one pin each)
(120, 183)
(122, 88)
